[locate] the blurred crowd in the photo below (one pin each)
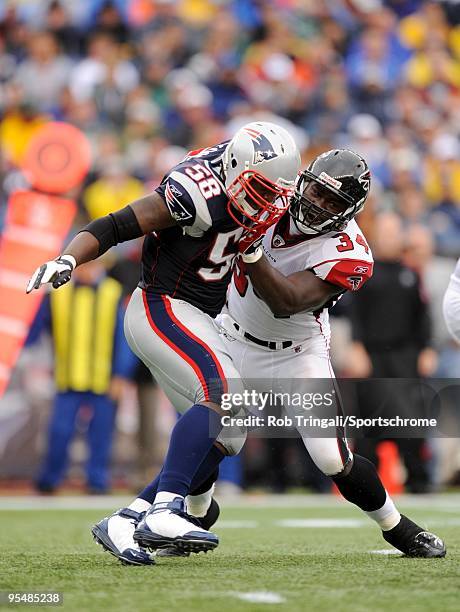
(148, 80)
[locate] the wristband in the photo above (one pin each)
(69, 258)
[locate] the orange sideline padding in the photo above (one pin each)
(57, 158)
(390, 467)
(35, 228)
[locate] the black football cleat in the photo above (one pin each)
(414, 541)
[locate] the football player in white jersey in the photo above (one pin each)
(451, 304)
(276, 323)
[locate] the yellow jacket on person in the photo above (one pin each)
(107, 195)
(87, 332)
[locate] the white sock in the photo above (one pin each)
(139, 505)
(165, 497)
(387, 516)
(198, 505)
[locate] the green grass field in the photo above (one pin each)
(302, 566)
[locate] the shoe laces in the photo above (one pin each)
(177, 507)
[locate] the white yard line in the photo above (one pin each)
(260, 597)
(386, 551)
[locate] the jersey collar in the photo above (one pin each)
(284, 235)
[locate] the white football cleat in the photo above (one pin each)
(115, 534)
(167, 524)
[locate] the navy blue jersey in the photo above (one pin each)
(193, 260)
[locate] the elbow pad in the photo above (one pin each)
(114, 228)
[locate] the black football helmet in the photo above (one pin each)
(330, 192)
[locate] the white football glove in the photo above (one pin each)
(58, 272)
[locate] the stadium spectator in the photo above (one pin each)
(391, 330)
(112, 190)
(110, 20)
(20, 121)
(435, 272)
(104, 71)
(58, 21)
(92, 363)
(45, 64)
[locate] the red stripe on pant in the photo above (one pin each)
(193, 337)
(179, 351)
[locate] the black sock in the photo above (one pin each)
(362, 485)
(402, 536)
(206, 484)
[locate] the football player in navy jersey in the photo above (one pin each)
(195, 223)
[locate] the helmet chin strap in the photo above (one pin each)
(302, 229)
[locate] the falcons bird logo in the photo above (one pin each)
(355, 282)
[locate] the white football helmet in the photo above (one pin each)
(260, 164)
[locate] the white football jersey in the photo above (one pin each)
(451, 304)
(341, 258)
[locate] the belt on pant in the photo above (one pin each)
(272, 345)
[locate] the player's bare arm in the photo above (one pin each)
(141, 217)
(287, 295)
(135, 220)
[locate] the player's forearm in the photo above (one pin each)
(287, 295)
(84, 247)
(102, 234)
(272, 286)
(138, 218)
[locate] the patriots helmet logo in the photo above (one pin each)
(263, 150)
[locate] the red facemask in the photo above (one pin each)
(259, 202)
